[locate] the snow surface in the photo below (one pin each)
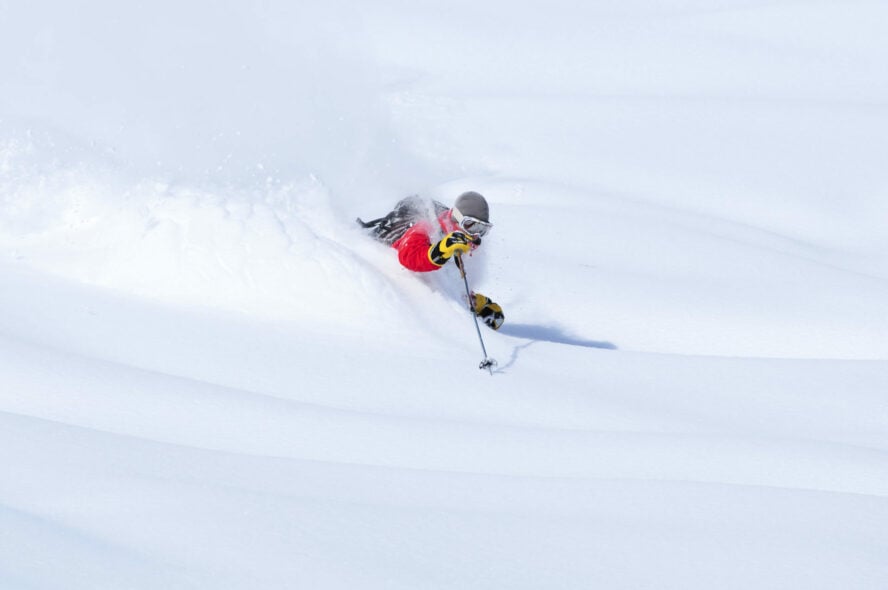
(209, 378)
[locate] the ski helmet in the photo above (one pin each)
(472, 204)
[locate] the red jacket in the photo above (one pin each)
(413, 247)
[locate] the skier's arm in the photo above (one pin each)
(413, 250)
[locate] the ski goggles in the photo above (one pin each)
(471, 225)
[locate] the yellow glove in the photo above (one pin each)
(489, 312)
(452, 243)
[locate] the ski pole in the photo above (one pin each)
(488, 363)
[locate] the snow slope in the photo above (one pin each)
(209, 378)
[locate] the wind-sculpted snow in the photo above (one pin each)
(211, 378)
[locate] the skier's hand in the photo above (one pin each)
(448, 247)
(489, 312)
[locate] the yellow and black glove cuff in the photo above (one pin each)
(489, 312)
(444, 250)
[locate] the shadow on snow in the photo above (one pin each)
(547, 334)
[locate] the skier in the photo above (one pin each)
(427, 234)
